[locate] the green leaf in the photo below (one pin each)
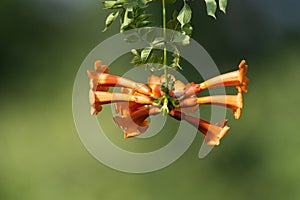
(176, 62)
(153, 58)
(143, 17)
(110, 19)
(132, 39)
(142, 3)
(185, 15)
(150, 35)
(136, 60)
(135, 52)
(223, 5)
(126, 20)
(143, 24)
(211, 7)
(145, 54)
(109, 4)
(180, 39)
(174, 24)
(158, 41)
(113, 4)
(136, 3)
(176, 59)
(130, 6)
(187, 29)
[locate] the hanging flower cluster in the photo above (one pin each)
(136, 101)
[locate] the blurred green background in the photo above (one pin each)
(43, 43)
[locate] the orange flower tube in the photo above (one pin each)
(234, 78)
(136, 123)
(213, 132)
(231, 101)
(100, 80)
(98, 98)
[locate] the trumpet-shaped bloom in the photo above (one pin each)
(235, 78)
(93, 75)
(110, 80)
(133, 115)
(137, 101)
(98, 98)
(100, 80)
(235, 102)
(135, 123)
(213, 132)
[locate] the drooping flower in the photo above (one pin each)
(135, 123)
(100, 80)
(231, 101)
(96, 107)
(235, 78)
(213, 132)
(126, 108)
(98, 98)
(137, 101)
(133, 115)
(93, 75)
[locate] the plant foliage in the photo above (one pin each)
(132, 15)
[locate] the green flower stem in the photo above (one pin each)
(164, 109)
(164, 12)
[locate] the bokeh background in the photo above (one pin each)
(43, 43)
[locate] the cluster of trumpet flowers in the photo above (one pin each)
(137, 101)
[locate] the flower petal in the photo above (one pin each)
(99, 68)
(188, 102)
(179, 88)
(213, 132)
(163, 78)
(126, 108)
(191, 89)
(136, 123)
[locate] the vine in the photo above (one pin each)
(132, 15)
(166, 95)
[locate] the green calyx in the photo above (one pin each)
(167, 101)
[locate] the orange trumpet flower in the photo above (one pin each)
(133, 115)
(231, 101)
(235, 78)
(213, 132)
(98, 98)
(135, 123)
(136, 101)
(99, 69)
(100, 80)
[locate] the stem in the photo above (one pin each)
(165, 35)
(164, 108)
